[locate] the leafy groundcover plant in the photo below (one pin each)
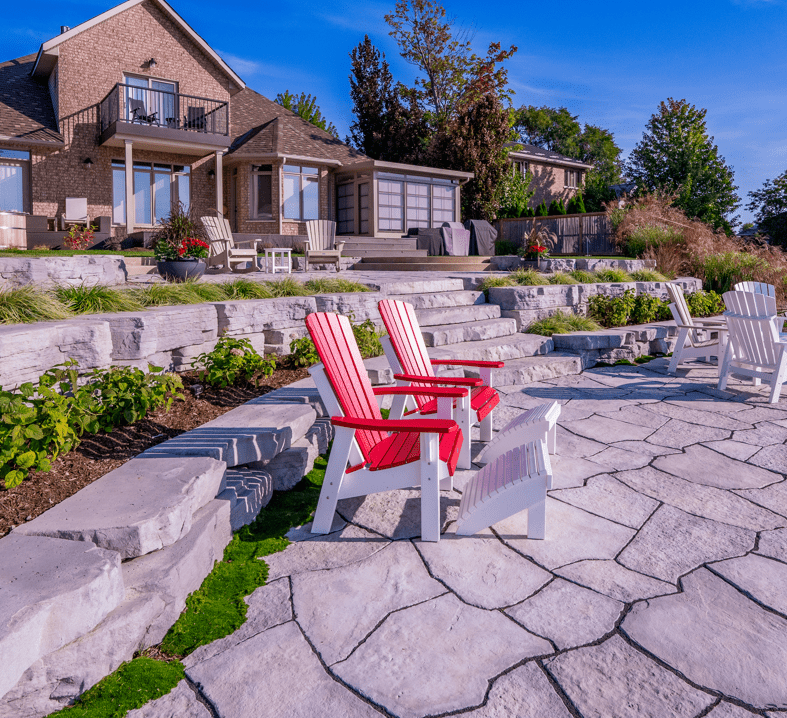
(233, 361)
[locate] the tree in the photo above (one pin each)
(306, 107)
(676, 155)
(549, 128)
(514, 193)
(770, 207)
(383, 128)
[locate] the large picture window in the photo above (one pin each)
(157, 189)
(301, 192)
(262, 192)
(406, 201)
(14, 180)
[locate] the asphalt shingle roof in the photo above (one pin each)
(547, 155)
(26, 111)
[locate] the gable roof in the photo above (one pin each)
(263, 128)
(47, 53)
(539, 154)
(26, 113)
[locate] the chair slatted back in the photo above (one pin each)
(757, 287)
(322, 233)
(750, 304)
(754, 340)
(225, 223)
(406, 339)
(335, 343)
(76, 208)
(214, 228)
(675, 292)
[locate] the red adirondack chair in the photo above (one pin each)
(406, 353)
(365, 457)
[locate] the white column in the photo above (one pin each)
(219, 184)
(130, 209)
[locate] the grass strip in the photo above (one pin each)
(25, 305)
(563, 323)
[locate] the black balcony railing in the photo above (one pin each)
(159, 108)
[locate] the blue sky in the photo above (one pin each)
(610, 63)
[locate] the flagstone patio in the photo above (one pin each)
(660, 589)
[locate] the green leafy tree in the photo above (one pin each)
(542, 210)
(676, 155)
(306, 107)
(549, 128)
(515, 193)
(770, 207)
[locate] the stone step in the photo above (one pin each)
(441, 299)
(384, 253)
(499, 349)
(442, 334)
(439, 262)
(457, 315)
(535, 368)
(370, 243)
(415, 285)
(248, 492)
(456, 266)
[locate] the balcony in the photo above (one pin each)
(165, 121)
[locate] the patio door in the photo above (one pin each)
(158, 96)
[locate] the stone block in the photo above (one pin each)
(180, 702)
(358, 305)
(28, 350)
(291, 465)
(139, 507)
(74, 271)
(248, 492)
(254, 316)
(51, 592)
(284, 336)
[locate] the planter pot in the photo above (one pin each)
(181, 269)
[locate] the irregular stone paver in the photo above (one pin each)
(568, 472)
(347, 546)
(728, 710)
(684, 413)
(733, 449)
(700, 401)
(677, 434)
(643, 447)
(569, 444)
(338, 608)
(772, 497)
(706, 501)
(604, 496)
(567, 614)
(180, 702)
(525, 691)
(765, 434)
(436, 657)
(395, 514)
(705, 466)
(481, 570)
(673, 542)
(773, 458)
(637, 415)
(614, 680)
(615, 581)
(614, 459)
(269, 606)
(762, 578)
(571, 535)
(773, 544)
(744, 647)
(600, 428)
(274, 674)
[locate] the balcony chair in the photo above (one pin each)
(697, 338)
(76, 213)
(366, 459)
(136, 109)
(406, 353)
(223, 249)
(321, 247)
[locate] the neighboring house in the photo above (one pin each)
(135, 112)
(555, 176)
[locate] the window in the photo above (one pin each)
(573, 178)
(14, 180)
(521, 166)
(301, 192)
(157, 96)
(418, 205)
(421, 201)
(345, 209)
(389, 198)
(262, 192)
(157, 188)
(363, 206)
(443, 204)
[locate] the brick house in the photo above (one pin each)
(555, 176)
(134, 111)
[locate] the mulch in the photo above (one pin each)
(98, 454)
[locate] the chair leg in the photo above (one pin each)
(332, 483)
(486, 426)
(724, 368)
(536, 520)
(678, 351)
(462, 417)
(552, 439)
(430, 487)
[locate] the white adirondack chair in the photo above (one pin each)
(754, 349)
(224, 250)
(322, 247)
(697, 338)
(76, 212)
(765, 290)
(757, 287)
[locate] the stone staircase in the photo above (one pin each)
(411, 263)
(372, 247)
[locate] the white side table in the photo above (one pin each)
(278, 259)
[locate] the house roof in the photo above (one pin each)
(264, 129)
(539, 154)
(26, 113)
(47, 53)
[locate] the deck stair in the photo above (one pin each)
(411, 263)
(369, 247)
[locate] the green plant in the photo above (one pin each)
(612, 275)
(611, 311)
(514, 193)
(705, 304)
(641, 238)
(180, 237)
(157, 295)
(79, 237)
(207, 292)
(576, 205)
(286, 287)
(367, 337)
(724, 269)
(303, 352)
(24, 305)
(504, 247)
(528, 277)
(542, 210)
(232, 361)
(84, 299)
(495, 281)
(127, 394)
(647, 308)
(246, 289)
(334, 285)
(648, 275)
(583, 276)
(562, 323)
(561, 278)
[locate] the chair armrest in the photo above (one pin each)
(339, 246)
(708, 328)
(468, 362)
(251, 243)
(456, 381)
(457, 393)
(709, 321)
(410, 426)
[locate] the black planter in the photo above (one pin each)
(181, 269)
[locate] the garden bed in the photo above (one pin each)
(98, 454)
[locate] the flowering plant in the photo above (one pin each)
(169, 250)
(538, 251)
(79, 237)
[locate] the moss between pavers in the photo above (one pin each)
(213, 611)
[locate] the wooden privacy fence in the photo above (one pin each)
(582, 234)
